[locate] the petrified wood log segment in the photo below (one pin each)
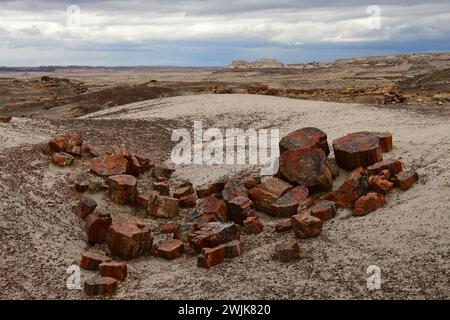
(128, 237)
(100, 286)
(305, 138)
(113, 269)
(385, 140)
(122, 188)
(306, 167)
(109, 165)
(360, 149)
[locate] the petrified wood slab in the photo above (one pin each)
(359, 149)
(393, 165)
(288, 203)
(263, 195)
(305, 138)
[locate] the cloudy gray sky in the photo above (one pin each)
(206, 32)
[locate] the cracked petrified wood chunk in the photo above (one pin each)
(183, 190)
(306, 226)
(239, 208)
(393, 165)
(305, 138)
(324, 210)
(334, 169)
(82, 183)
(214, 234)
(266, 193)
(62, 159)
(110, 165)
(70, 143)
(84, 207)
(162, 206)
(137, 163)
(306, 167)
(170, 249)
(287, 251)
(250, 182)
(380, 183)
(204, 191)
(253, 225)
(210, 257)
(368, 203)
(215, 208)
(74, 142)
(232, 249)
(100, 286)
(230, 191)
(133, 165)
(183, 231)
(142, 199)
(189, 201)
(145, 162)
(359, 149)
(354, 187)
(283, 225)
(122, 188)
(97, 227)
(162, 187)
(288, 203)
(405, 179)
(385, 140)
(114, 269)
(128, 238)
(90, 260)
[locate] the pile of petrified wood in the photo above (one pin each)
(208, 220)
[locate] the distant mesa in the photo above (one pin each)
(269, 64)
(257, 64)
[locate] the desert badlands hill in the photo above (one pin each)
(40, 237)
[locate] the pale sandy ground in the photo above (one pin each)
(408, 239)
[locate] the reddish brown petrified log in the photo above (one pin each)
(128, 237)
(385, 140)
(305, 138)
(306, 167)
(100, 286)
(360, 149)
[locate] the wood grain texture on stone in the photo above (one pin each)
(306, 167)
(305, 138)
(386, 143)
(359, 149)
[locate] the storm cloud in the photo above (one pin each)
(214, 32)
